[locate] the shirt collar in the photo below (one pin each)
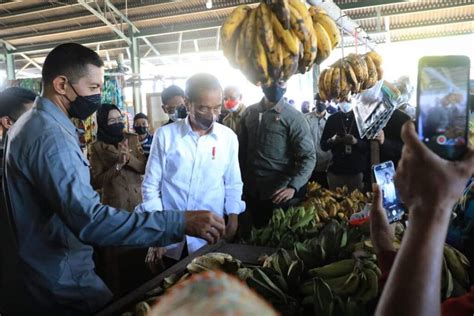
(187, 129)
(279, 107)
(52, 109)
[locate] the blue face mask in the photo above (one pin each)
(345, 106)
(274, 93)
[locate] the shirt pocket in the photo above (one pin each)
(274, 141)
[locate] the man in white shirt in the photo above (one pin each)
(317, 121)
(193, 164)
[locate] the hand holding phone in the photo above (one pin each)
(443, 98)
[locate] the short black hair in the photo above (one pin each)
(171, 92)
(201, 82)
(140, 116)
(69, 60)
(13, 101)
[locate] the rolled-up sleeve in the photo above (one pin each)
(64, 175)
(233, 181)
(151, 187)
(304, 151)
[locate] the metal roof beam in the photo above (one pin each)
(104, 19)
(152, 47)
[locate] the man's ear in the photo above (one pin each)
(59, 84)
(6, 122)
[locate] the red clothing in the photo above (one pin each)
(456, 306)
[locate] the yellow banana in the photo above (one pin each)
(320, 16)
(251, 31)
(290, 65)
(286, 37)
(328, 82)
(336, 82)
(376, 58)
(282, 10)
(372, 71)
(359, 67)
(272, 47)
(261, 62)
(344, 90)
(264, 26)
(321, 88)
(232, 23)
(310, 43)
(324, 43)
(306, 36)
(351, 77)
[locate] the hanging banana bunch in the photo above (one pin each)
(277, 39)
(350, 75)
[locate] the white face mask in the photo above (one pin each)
(345, 107)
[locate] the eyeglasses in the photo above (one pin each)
(120, 119)
(208, 109)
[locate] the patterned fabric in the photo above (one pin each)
(212, 293)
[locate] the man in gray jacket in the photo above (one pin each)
(277, 154)
(54, 214)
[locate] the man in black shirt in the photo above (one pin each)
(350, 153)
(390, 139)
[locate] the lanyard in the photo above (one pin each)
(344, 126)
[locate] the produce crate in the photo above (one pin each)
(246, 254)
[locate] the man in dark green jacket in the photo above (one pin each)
(277, 154)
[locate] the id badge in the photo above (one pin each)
(348, 149)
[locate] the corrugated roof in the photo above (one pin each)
(34, 27)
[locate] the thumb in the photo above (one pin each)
(410, 138)
(377, 199)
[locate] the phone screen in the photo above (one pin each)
(384, 174)
(443, 112)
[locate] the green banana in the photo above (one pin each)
(333, 270)
(456, 267)
(294, 273)
(372, 288)
(345, 285)
(261, 282)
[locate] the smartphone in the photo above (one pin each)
(443, 104)
(383, 174)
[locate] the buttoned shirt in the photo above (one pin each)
(57, 217)
(316, 125)
(276, 149)
(191, 172)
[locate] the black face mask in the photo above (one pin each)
(115, 130)
(274, 93)
(320, 107)
(83, 106)
(182, 112)
(141, 130)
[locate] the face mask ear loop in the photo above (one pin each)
(77, 95)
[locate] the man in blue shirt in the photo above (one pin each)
(55, 215)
